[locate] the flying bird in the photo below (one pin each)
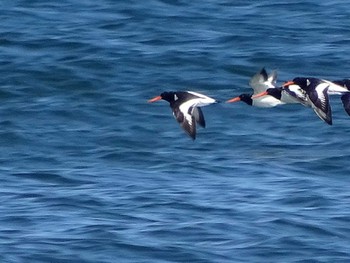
(316, 92)
(186, 108)
(260, 82)
(285, 95)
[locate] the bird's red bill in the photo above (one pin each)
(155, 99)
(234, 100)
(288, 83)
(260, 95)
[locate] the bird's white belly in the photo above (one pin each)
(266, 102)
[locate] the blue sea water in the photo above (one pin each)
(90, 172)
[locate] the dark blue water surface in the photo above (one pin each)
(90, 172)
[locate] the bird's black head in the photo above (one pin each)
(247, 98)
(275, 92)
(168, 96)
(306, 83)
(301, 82)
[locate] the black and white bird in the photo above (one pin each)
(283, 94)
(186, 108)
(316, 92)
(260, 82)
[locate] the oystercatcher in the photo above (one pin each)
(317, 93)
(186, 108)
(260, 82)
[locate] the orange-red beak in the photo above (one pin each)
(234, 100)
(155, 99)
(260, 95)
(288, 83)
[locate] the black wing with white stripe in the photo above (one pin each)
(320, 103)
(187, 122)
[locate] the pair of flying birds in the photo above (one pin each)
(310, 92)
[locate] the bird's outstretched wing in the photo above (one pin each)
(345, 98)
(187, 121)
(320, 103)
(261, 81)
(198, 116)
